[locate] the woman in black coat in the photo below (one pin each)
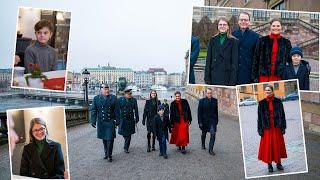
(222, 57)
(41, 158)
(150, 110)
(271, 55)
(271, 127)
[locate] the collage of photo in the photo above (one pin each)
(214, 89)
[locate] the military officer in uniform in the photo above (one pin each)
(105, 117)
(129, 117)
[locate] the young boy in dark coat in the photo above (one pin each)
(298, 69)
(161, 127)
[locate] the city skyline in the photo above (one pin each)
(117, 31)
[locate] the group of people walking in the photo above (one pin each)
(243, 57)
(109, 112)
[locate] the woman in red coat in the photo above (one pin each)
(180, 117)
(271, 55)
(271, 128)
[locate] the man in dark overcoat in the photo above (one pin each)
(195, 50)
(104, 117)
(247, 44)
(129, 117)
(208, 119)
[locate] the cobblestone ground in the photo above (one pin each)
(295, 162)
(86, 156)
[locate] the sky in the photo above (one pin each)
(138, 34)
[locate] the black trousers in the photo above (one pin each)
(108, 146)
(127, 140)
(212, 139)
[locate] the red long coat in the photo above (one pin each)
(180, 131)
(272, 145)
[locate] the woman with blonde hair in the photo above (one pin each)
(222, 57)
(41, 158)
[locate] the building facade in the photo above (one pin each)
(109, 74)
(160, 78)
(143, 79)
(175, 80)
(5, 79)
(281, 89)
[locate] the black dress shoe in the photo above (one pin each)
(160, 154)
(110, 159)
(126, 151)
(165, 156)
(203, 146)
(270, 168)
(179, 148)
(212, 153)
(105, 157)
(153, 148)
(279, 167)
(148, 149)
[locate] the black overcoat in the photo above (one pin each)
(208, 114)
(48, 165)
(150, 110)
(222, 62)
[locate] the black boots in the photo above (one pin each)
(153, 142)
(279, 167)
(270, 168)
(203, 140)
(183, 150)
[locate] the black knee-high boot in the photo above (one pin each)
(153, 142)
(148, 137)
(203, 140)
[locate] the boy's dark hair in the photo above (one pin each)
(44, 23)
(177, 92)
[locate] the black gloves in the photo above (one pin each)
(93, 125)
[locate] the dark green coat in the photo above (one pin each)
(104, 114)
(129, 115)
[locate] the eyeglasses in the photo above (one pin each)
(244, 20)
(38, 130)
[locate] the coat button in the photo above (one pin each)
(33, 173)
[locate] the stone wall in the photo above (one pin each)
(310, 103)
(227, 98)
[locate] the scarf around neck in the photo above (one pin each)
(274, 52)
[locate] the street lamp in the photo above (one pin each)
(86, 75)
(116, 83)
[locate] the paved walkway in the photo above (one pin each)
(86, 152)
